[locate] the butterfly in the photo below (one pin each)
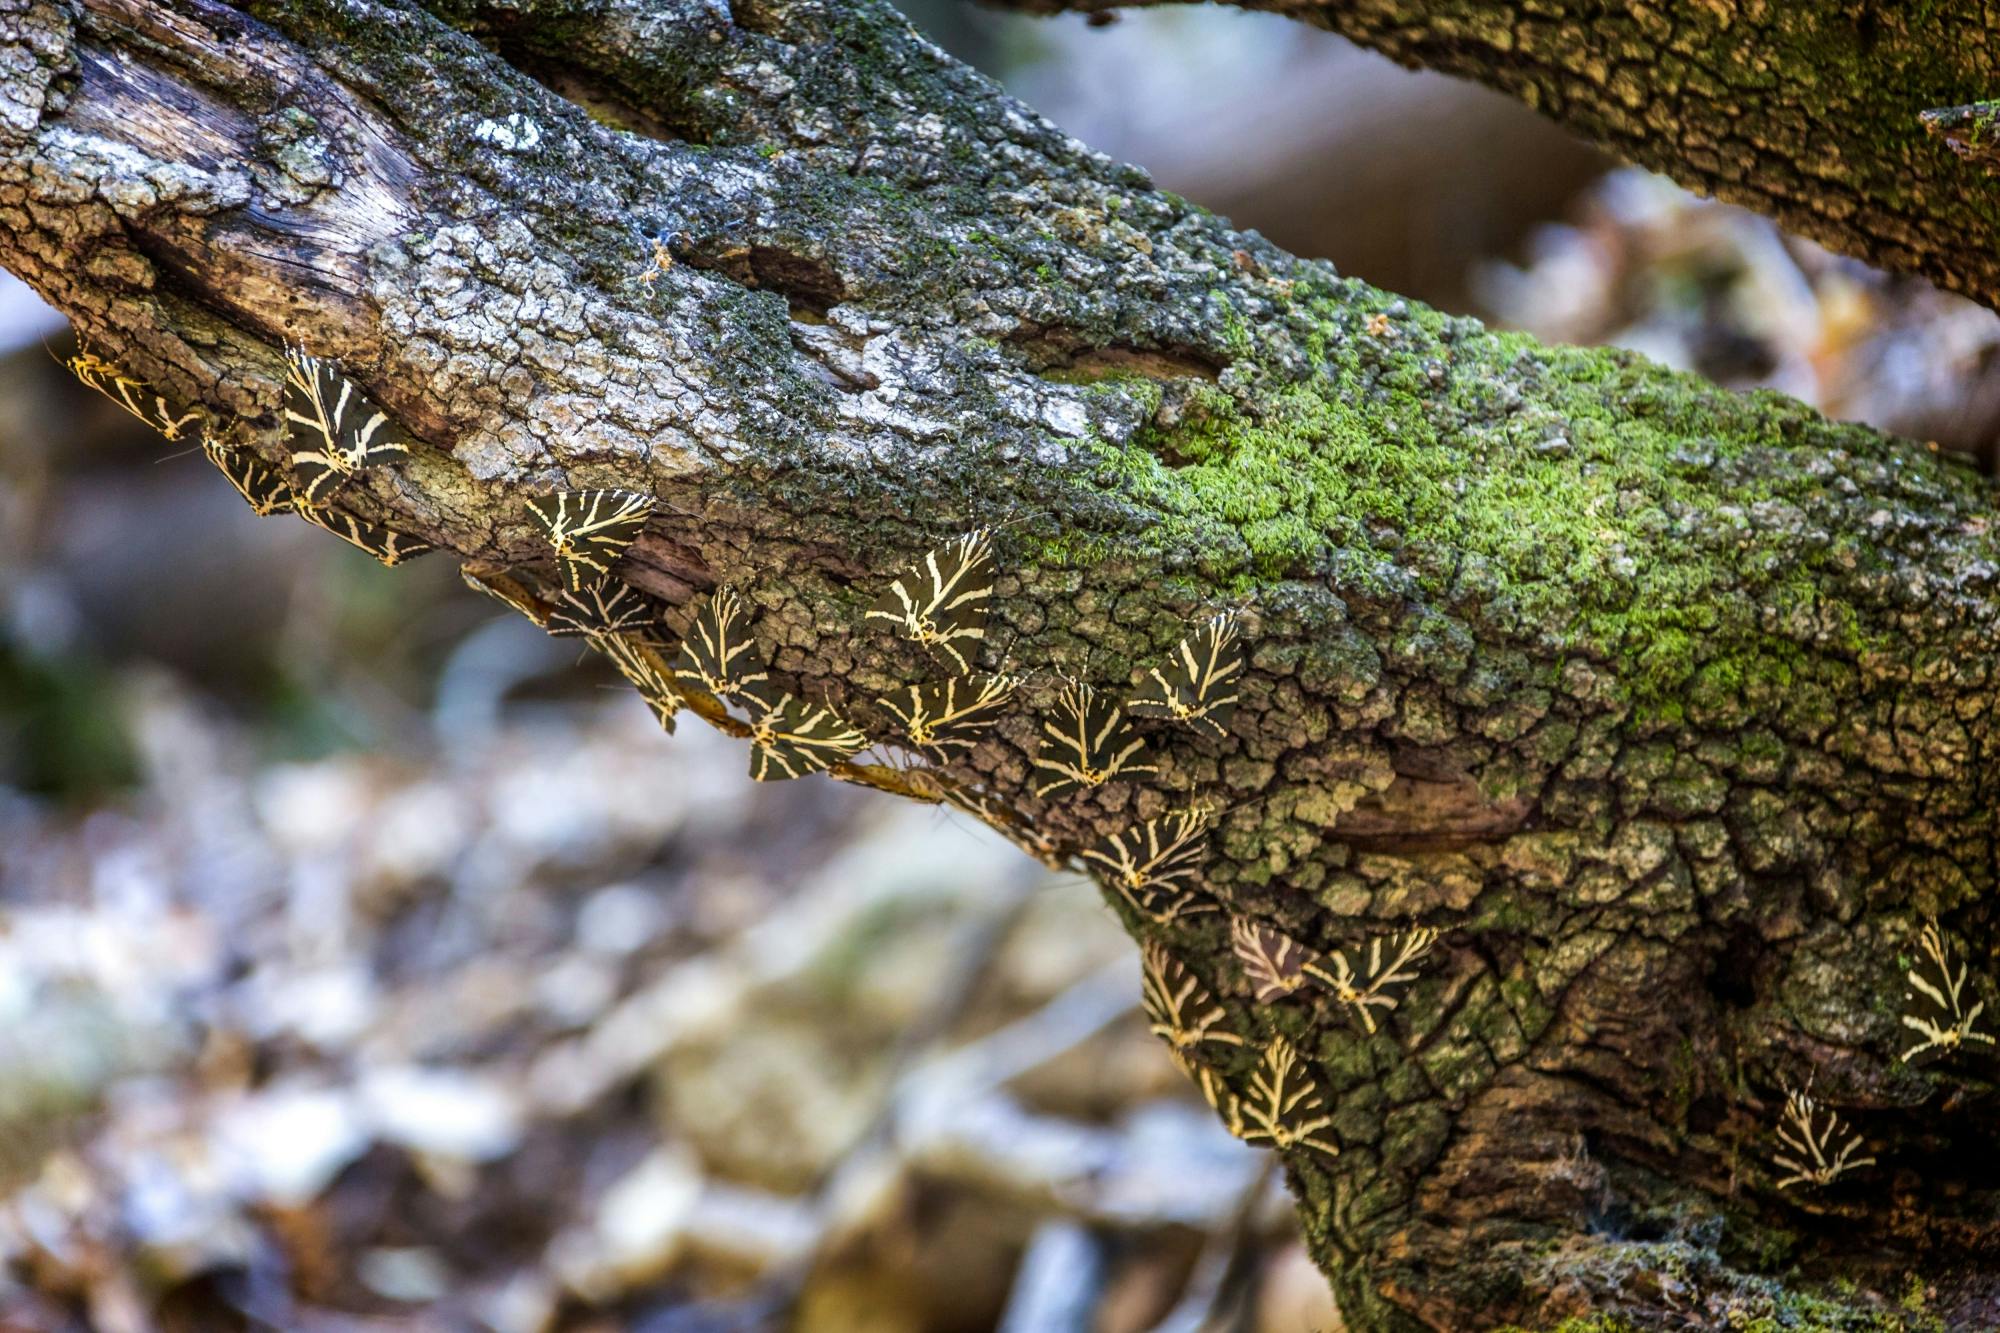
(1154, 866)
(1086, 744)
(941, 602)
(1198, 684)
(1934, 1006)
(639, 666)
(590, 530)
(336, 431)
(1180, 1011)
(1284, 1107)
(791, 737)
(1361, 977)
(1274, 962)
(1818, 1147)
(262, 485)
(392, 548)
(135, 396)
(602, 606)
(950, 714)
(717, 654)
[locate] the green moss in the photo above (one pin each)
(1642, 516)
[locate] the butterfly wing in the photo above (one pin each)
(392, 548)
(262, 486)
(638, 665)
(717, 653)
(336, 430)
(603, 606)
(792, 737)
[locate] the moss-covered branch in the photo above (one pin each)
(1672, 709)
(1808, 111)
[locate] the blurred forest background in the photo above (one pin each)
(366, 963)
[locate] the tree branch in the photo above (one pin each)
(1671, 708)
(1807, 113)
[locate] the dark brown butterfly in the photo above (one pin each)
(1816, 1145)
(791, 737)
(952, 714)
(1938, 1005)
(1154, 866)
(717, 653)
(638, 665)
(941, 601)
(1198, 684)
(1283, 1108)
(262, 485)
(1183, 1014)
(390, 547)
(135, 396)
(602, 606)
(336, 431)
(589, 530)
(1086, 744)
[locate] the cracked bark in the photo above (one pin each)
(1810, 113)
(1671, 708)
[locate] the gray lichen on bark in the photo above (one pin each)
(1671, 707)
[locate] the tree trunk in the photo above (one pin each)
(1670, 708)
(1839, 120)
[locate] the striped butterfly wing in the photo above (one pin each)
(1086, 743)
(717, 653)
(1179, 1009)
(1939, 1005)
(603, 606)
(337, 432)
(392, 548)
(1815, 1146)
(1275, 963)
(1155, 866)
(1199, 684)
(941, 602)
(953, 714)
(262, 486)
(641, 667)
(792, 737)
(134, 396)
(589, 530)
(1374, 975)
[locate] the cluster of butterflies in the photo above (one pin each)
(336, 432)
(1816, 1147)
(942, 604)
(1283, 1107)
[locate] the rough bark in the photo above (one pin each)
(1672, 708)
(1811, 113)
